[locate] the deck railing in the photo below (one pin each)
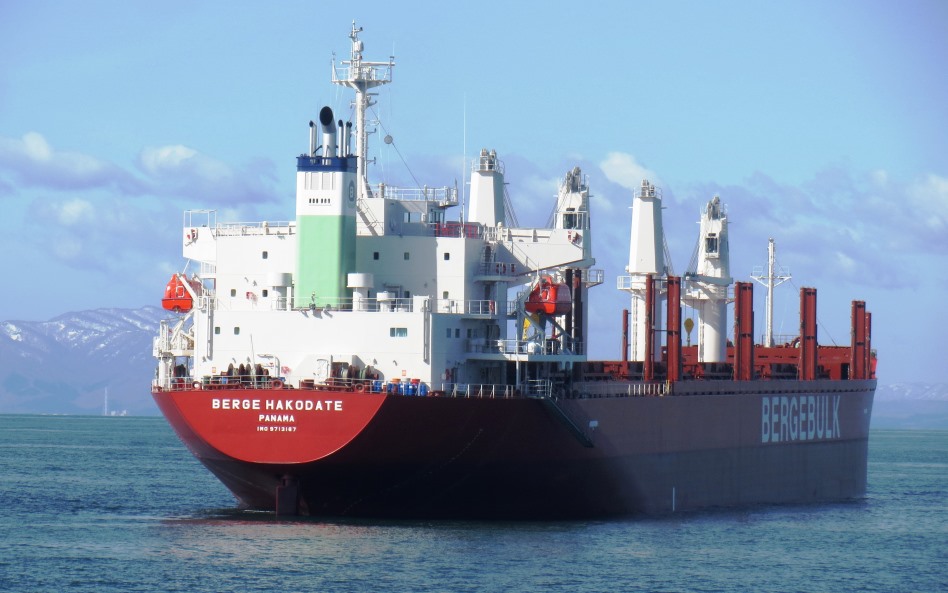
(550, 347)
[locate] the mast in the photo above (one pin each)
(771, 280)
(361, 76)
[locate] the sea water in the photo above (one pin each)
(119, 504)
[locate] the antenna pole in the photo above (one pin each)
(464, 164)
(361, 76)
(771, 280)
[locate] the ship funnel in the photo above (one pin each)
(312, 138)
(341, 134)
(329, 131)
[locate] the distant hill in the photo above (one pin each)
(66, 364)
(911, 405)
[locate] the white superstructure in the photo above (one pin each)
(379, 282)
(646, 258)
(707, 282)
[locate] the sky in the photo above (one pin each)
(822, 124)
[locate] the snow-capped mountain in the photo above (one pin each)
(66, 364)
(912, 392)
(911, 405)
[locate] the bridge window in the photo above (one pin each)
(711, 243)
(375, 255)
(398, 332)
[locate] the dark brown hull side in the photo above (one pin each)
(707, 446)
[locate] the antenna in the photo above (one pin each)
(361, 76)
(771, 280)
(464, 159)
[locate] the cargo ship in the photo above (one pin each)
(376, 356)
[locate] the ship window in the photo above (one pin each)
(406, 256)
(265, 292)
(457, 332)
(569, 218)
(398, 332)
(265, 255)
(711, 243)
(447, 256)
(233, 292)
(470, 333)
(444, 294)
(217, 330)
(407, 294)
(448, 334)
(236, 330)
(375, 255)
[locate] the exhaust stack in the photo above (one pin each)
(329, 132)
(312, 138)
(341, 134)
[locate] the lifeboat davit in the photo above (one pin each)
(549, 298)
(177, 298)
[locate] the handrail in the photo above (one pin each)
(547, 347)
(444, 195)
(232, 229)
(537, 388)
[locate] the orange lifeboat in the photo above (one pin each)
(177, 298)
(549, 298)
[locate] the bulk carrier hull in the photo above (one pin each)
(479, 457)
(377, 356)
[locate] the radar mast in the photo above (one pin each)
(361, 76)
(773, 279)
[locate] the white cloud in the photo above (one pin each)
(35, 147)
(623, 169)
(156, 160)
(928, 200)
(845, 263)
(601, 203)
(34, 161)
(74, 211)
(181, 160)
(67, 248)
(187, 173)
(546, 187)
